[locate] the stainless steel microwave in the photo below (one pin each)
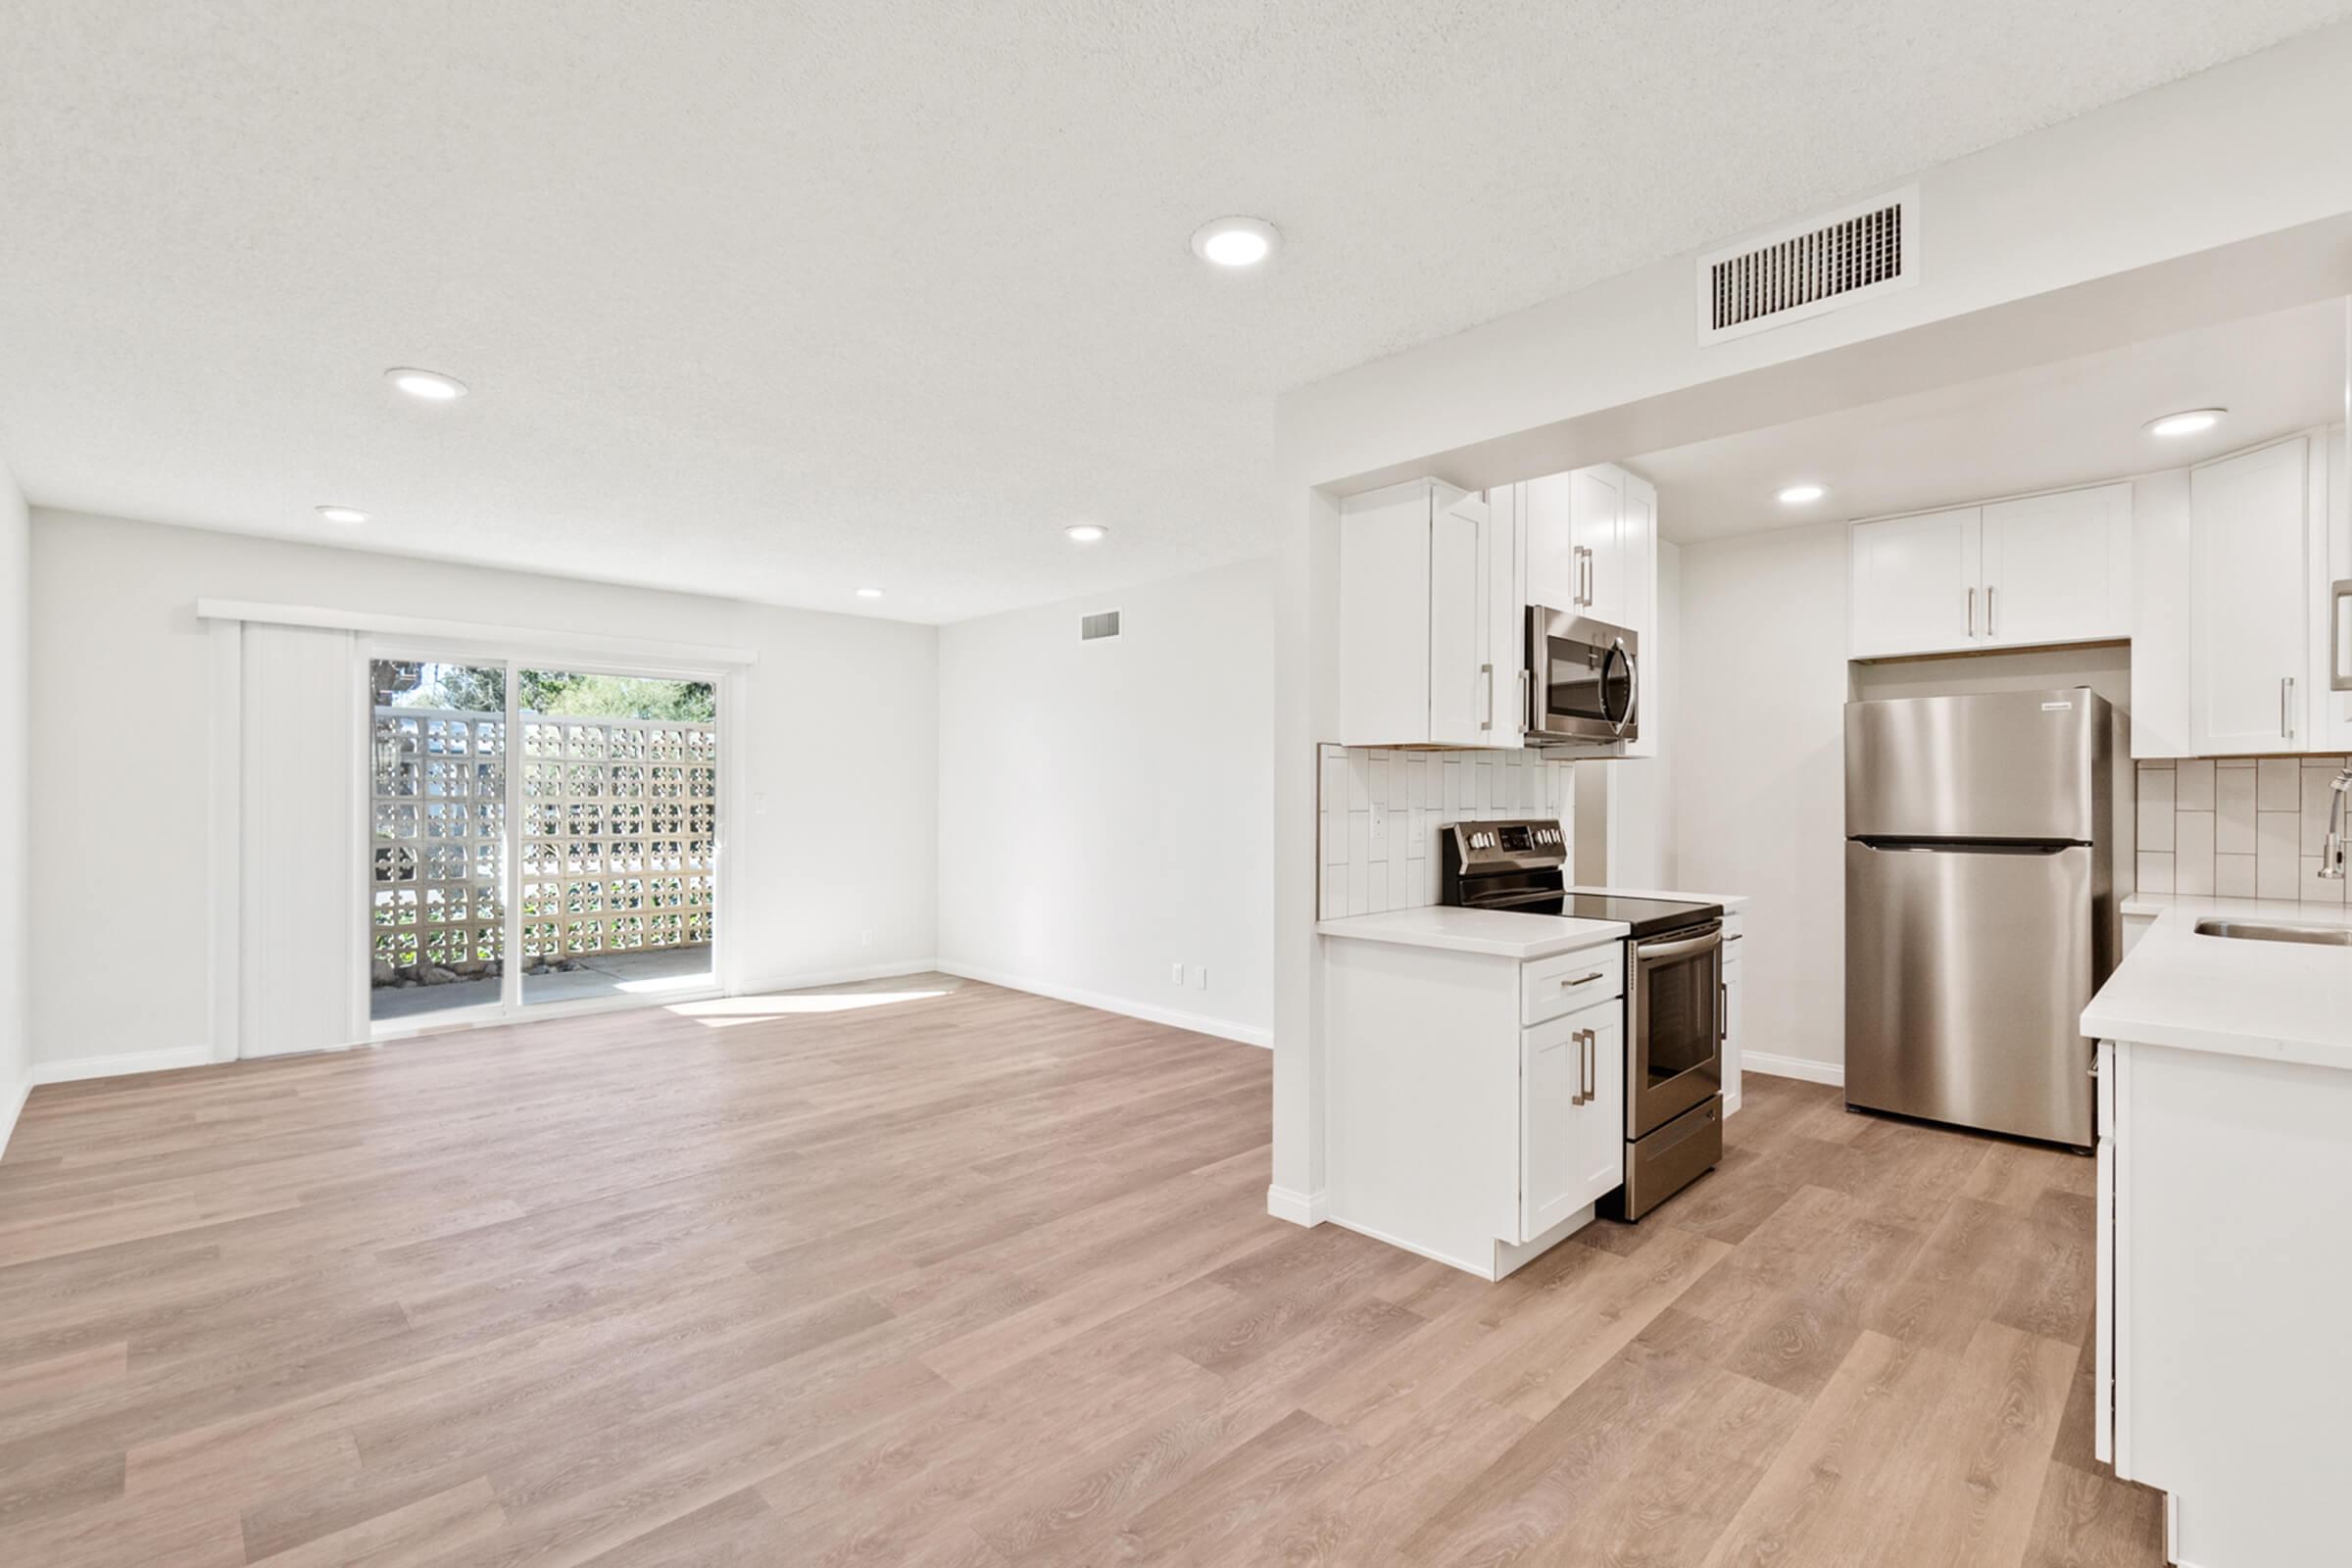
(1583, 678)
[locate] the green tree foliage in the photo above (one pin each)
(568, 694)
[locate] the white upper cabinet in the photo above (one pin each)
(1555, 562)
(1916, 585)
(2058, 568)
(1417, 621)
(2030, 572)
(1590, 541)
(2251, 599)
(1503, 635)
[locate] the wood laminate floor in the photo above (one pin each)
(973, 1278)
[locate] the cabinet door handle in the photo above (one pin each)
(1972, 610)
(1487, 716)
(1578, 1041)
(1591, 1066)
(2286, 706)
(1988, 631)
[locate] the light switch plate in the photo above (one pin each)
(1199, 977)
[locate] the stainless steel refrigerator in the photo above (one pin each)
(1986, 837)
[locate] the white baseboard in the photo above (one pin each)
(76, 1069)
(1300, 1208)
(1813, 1072)
(804, 979)
(1150, 1012)
(11, 1107)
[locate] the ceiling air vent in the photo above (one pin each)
(1825, 264)
(1098, 625)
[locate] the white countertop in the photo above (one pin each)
(1504, 933)
(2276, 1001)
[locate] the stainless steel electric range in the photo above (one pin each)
(1675, 1003)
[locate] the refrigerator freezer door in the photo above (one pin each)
(2009, 765)
(1966, 971)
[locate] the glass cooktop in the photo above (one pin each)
(1647, 916)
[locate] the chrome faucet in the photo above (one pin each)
(2332, 853)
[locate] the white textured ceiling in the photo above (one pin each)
(2072, 421)
(780, 300)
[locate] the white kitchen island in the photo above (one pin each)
(1477, 1077)
(2225, 1244)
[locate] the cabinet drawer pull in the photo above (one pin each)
(1585, 980)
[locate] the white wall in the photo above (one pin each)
(838, 876)
(1760, 772)
(15, 1039)
(1106, 809)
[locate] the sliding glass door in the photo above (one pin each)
(619, 835)
(437, 873)
(538, 838)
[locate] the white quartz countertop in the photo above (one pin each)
(1506, 934)
(2276, 1001)
(1501, 932)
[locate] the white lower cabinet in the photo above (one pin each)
(1571, 1114)
(1472, 1117)
(2223, 1266)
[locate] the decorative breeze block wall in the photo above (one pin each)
(618, 836)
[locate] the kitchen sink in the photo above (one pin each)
(2334, 936)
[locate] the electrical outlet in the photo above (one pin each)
(1199, 977)
(1176, 974)
(760, 803)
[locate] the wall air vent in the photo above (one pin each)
(1824, 264)
(1098, 625)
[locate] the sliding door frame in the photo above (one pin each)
(514, 655)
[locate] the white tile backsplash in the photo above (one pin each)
(1417, 794)
(2239, 827)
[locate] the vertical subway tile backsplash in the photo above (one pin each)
(1382, 810)
(2239, 827)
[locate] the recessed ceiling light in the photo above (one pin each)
(869, 593)
(1796, 495)
(1086, 533)
(1234, 242)
(342, 514)
(2189, 421)
(430, 385)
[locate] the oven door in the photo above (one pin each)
(1583, 678)
(1674, 1026)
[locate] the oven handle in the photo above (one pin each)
(1711, 937)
